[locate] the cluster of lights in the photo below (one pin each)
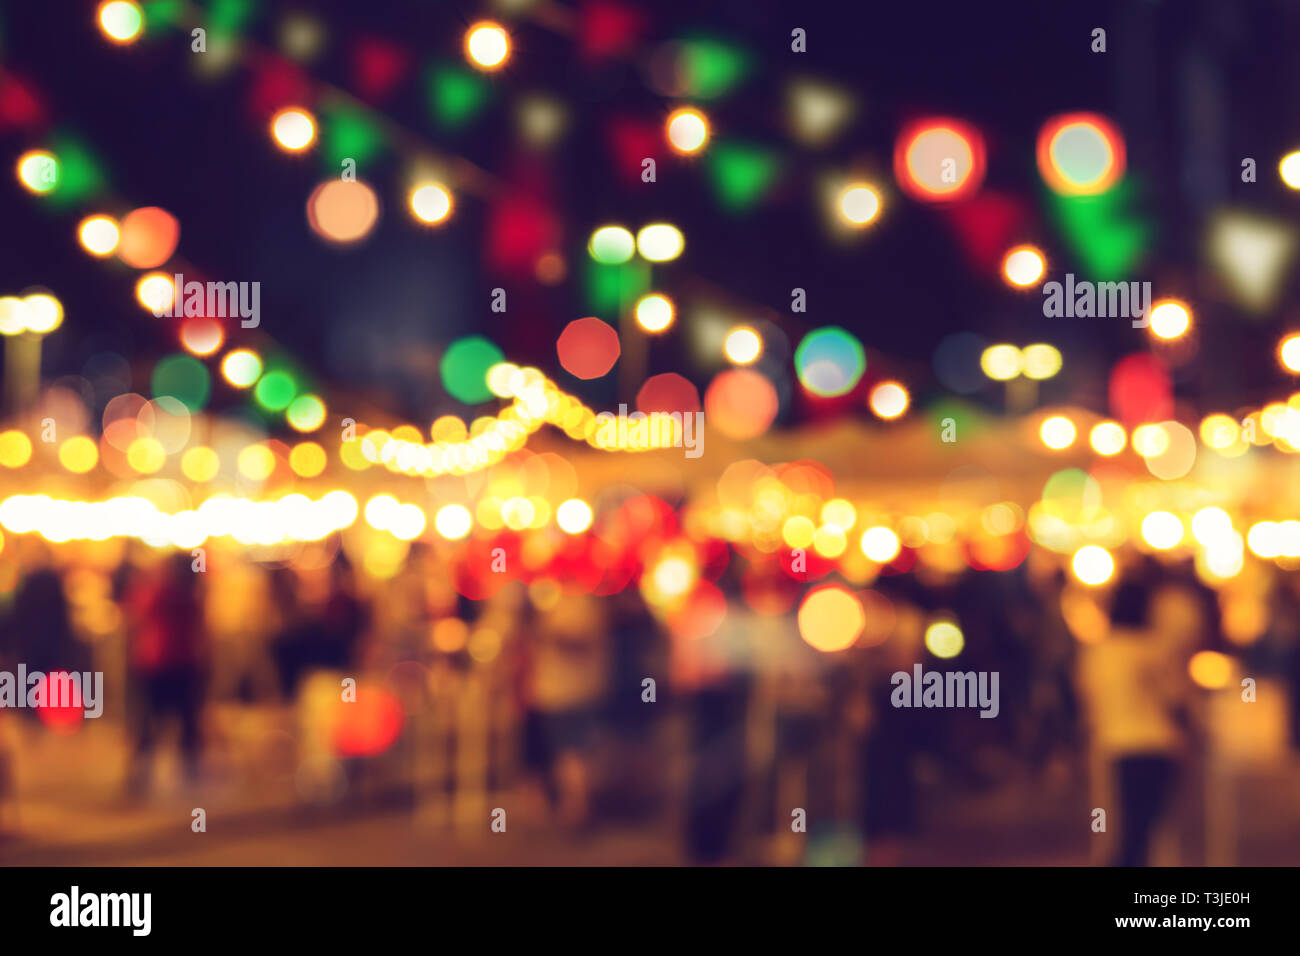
(38, 313)
(294, 517)
(1004, 362)
(657, 242)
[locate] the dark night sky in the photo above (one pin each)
(363, 316)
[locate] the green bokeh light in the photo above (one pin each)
(456, 95)
(741, 174)
(275, 390)
(185, 379)
(306, 413)
(464, 368)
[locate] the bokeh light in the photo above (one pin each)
(293, 128)
(1002, 362)
(859, 204)
(342, 211)
(1107, 438)
(831, 618)
(742, 345)
(889, 400)
(830, 361)
(1057, 432)
(588, 348)
(654, 312)
(939, 159)
(660, 242)
(687, 130)
(120, 20)
(1080, 154)
(487, 45)
(148, 237)
(241, 367)
(611, 245)
(431, 202)
(1169, 319)
(1023, 266)
(944, 639)
(98, 235)
(1093, 565)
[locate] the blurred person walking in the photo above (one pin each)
(1133, 686)
(167, 657)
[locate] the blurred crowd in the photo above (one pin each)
(584, 711)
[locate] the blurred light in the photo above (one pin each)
(939, 159)
(830, 361)
(654, 312)
(1289, 168)
(798, 531)
(431, 202)
(202, 336)
(1107, 438)
(1040, 361)
(464, 367)
(859, 204)
(1001, 362)
(573, 516)
(453, 522)
(1057, 432)
(1211, 525)
(200, 463)
(1093, 565)
(742, 345)
(148, 237)
(342, 211)
(13, 315)
(889, 400)
(1265, 539)
(1023, 266)
(944, 639)
(1150, 440)
(306, 413)
(588, 348)
(687, 130)
(38, 171)
(1289, 352)
(98, 235)
(1210, 669)
(44, 313)
(241, 367)
(275, 390)
(880, 544)
(293, 128)
(673, 577)
(120, 20)
(256, 462)
(307, 459)
(1219, 431)
(156, 292)
(741, 403)
(1080, 154)
(660, 242)
(15, 448)
(1169, 319)
(1162, 530)
(840, 513)
(79, 454)
(487, 44)
(611, 245)
(146, 455)
(831, 618)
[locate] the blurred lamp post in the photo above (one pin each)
(1022, 370)
(24, 323)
